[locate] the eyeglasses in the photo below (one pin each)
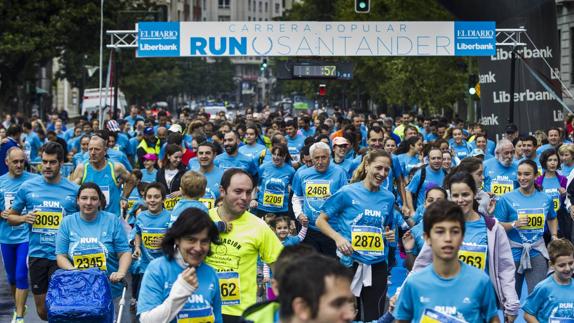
(342, 146)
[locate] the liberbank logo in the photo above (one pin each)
(474, 38)
(158, 39)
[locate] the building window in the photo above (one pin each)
(223, 4)
(224, 18)
(204, 5)
(260, 6)
(248, 18)
(248, 5)
(277, 7)
(266, 7)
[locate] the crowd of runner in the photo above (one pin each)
(292, 217)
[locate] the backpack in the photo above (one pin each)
(423, 170)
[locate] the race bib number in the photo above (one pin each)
(229, 287)
(169, 203)
(209, 203)
(535, 219)
(368, 240)
(151, 239)
(432, 316)
(474, 255)
(131, 202)
(106, 192)
(204, 315)
(501, 187)
(8, 200)
(318, 190)
(556, 204)
(48, 220)
(271, 199)
(90, 258)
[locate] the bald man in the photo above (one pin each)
(14, 239)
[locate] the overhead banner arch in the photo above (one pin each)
(314, 38)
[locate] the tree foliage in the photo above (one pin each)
(427, 82)
(32, 33)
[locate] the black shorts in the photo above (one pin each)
(40, 269)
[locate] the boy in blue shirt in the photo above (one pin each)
(552, 300)
(449, 290)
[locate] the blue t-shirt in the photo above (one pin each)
(432, 178)
(225, 161)
(315, 188)
(468, 296)
(151, 228)
(147, 176)
(419, 213)
(461, 150)
(53, 202)
(114, 156)
(32, 144)
(291, 241)
(538, 208)
(565, 169)
(132, 120)
(158, 280)
(549, 300)
(133, 147)
(347, 165)
(542, 148)
(106, 179)
(499, 179)
(308, 133)
(182, 205)
(361, 217)
(10, 234)
(417, 233)
(273, 187)
(295, 145)
(550, 186)
(82, 241)
(407, 163)
(476, 241)
(252, 152)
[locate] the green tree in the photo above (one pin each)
(427, 82)
(32, 33)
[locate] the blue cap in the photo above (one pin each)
(148, 131)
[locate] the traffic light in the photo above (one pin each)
(472, 82)
(362, 6)
(263, 65)
(322, 89)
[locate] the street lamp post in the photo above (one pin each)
(100, 110)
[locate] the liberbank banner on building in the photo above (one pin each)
(312, 38)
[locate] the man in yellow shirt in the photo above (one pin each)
(235, 259)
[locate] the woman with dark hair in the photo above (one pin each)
(171, 171)
(524, 213)
(179, 285)
(409, 154)
(555, 185)
(274, 183)
(94, 238)
(474, 167)
(551, 181)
